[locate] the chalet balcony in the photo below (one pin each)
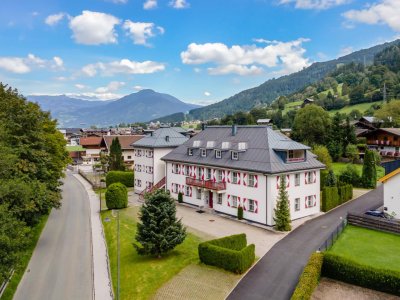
(384, 143)
(207, 184)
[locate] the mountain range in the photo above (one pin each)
(268, 91)
(142, 106)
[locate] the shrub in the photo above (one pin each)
(323, 175)
(126, 178)
(350, 176)
(323, 155)
(309, 279)
(240, 213)
(344, 269)
(330, 198)
(368, 177)
(116, 196)
(345, 193)
(229, 253)
(330, 179)
(180, 197)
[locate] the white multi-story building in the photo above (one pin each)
(148, 151)
(225, 167)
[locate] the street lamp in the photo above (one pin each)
(115, 213)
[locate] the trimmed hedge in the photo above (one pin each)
(116, 196)
(344, 269)
(334, 196)
(309, 279)
(240, 213)
(180, 197)
(126, 178)
(230, 253)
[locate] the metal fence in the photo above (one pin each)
(390, 166)
(333, 236)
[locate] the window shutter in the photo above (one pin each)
(229, 176)
(244, 204)
(315, 176)
(256, 181)
(256, 206)
(277, 182)
(315, 200)
(202, 173)
(288, 181)
(194, 172)
(245, 179)
(214, 177)
(229, 200)
(305, 177)
(305, 202)
(239, 175)
(191, 190)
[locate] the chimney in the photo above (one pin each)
(234, 129)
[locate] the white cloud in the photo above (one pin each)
(150, 4)
(207, 94)
(197, 70)
(80, 86)
(138, 88)
(315, 4)
(111, 87)
(247, 60)
(52, 20)
(119, 1)
(382, 12)
(179, 4)
(139, 32)
(94, 28)
(22, 65)
(94, 96)
(123, 66)
(345, 50)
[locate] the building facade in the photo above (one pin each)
(391, 193)
(223, 168)
(126, 142)
(384, 140)
(148, 151)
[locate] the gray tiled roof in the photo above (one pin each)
(158, 139)
(261, 154)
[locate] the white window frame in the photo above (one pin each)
(297, 204)
(175, 168)
(198, 194)
(219, 199)
(297, 179)
(252, 205)
(310, 201)
(203, 152)
(219, 176)
(218, 154)
(235, 178)
(234, 201)
(187, 191)
(139, 182)
(235, 155)
(190, 151)
(251, 180)
(225, 145)
(310, 178)
(208, 173)
(187, 170)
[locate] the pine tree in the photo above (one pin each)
(368, 178)
(282, 211)
(116, 161)
(330, 179)
(159, 231)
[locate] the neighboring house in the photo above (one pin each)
(88, 132)
(225, 167)
(71, 135)
(264, 122)
(384, 140)
(93, 148)
(76, 153)
(391, 193)
(366, 124)
(307, 101)
(149, 168)
(126, 142)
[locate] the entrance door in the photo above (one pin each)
(210, 199)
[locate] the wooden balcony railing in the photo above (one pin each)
(208, 184)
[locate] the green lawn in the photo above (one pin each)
(369, 247)
(25, 257)
(362, 107)
(340, 167)
(75, 148)
(142, 276)
(291, 105)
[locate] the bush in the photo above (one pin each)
(180, 197)
(116, 196)
(330, 198)
(345, 193)
(343, 269)
(229, 253)
(350, 176)
(309, 279)
(240, 213)
(126, 178)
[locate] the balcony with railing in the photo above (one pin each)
(207, 184)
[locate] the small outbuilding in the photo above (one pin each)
(391, 193)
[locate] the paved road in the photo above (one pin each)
(275, 276)
(61, 265)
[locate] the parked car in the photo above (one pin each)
(376, 213)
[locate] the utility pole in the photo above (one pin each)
(384, 93)
(118, 261)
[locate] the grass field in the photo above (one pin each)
(340, 167)
(369, 247)
(25, 257)
(362, 107)
(291, 106)
(142, 276)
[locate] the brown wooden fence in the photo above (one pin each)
(371, 222)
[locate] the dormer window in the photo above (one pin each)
(190, 151)
(225, 145)
(210, 144)
(242, 146)
(218, 154)
(196, 143)
(234, 155)
(203, 152)
(295, 155)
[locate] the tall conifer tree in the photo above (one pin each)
(116, 160)
(282, 210)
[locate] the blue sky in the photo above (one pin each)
(200, 51)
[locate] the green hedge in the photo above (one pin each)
(309, 279)
(116, 196)
(126, 178)
(334, 196)
(230, 253)
(343, 269)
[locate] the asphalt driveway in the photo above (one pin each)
(275, 276)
